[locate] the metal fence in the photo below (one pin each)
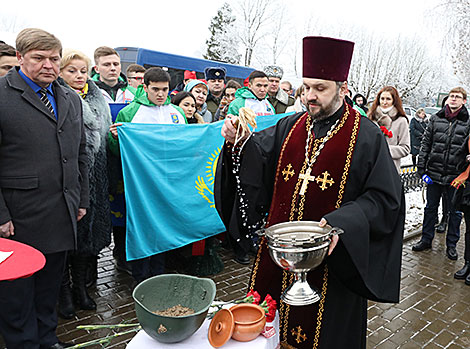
(410, 179)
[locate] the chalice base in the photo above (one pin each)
(300, 293)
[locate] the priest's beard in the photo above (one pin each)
(325, 111)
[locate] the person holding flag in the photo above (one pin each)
(150, 106)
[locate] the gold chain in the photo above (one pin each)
(348, 160)
(321, 308)
(256, 265)
(283, 312)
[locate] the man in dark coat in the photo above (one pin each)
(443, 150)
(43, 184)
(329, 165)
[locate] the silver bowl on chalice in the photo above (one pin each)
(299, 247)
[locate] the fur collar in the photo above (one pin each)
(96, 117)
(282, 96)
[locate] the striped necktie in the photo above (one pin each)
(45, 100)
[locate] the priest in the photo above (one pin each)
(328, 164)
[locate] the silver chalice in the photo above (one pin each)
(299, 247)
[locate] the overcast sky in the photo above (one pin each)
(181, 26)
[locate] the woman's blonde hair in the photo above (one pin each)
(299, 91)
(70, 55)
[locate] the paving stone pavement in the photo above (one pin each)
(434, 308)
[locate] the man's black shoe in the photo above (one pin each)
(452, 253)
(464, 272)
(421, 246)
(242, 259)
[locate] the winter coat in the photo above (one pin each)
(178, 88)
(244, 97)
(417, 128)
(125, 93)
(196, 119)
(297, 107)
(221, 112)
(399, 144)
(443, 147)
(281, 101)
(141, 110)
(94, 229)
(213, 103)
(43, 172)
(205, 114)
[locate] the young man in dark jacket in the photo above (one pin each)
(442, 150)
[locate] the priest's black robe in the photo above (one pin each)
(367, 259)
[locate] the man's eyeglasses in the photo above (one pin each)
(455, 96)
(136, 78)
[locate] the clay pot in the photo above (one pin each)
(221, 328)
(249, 321)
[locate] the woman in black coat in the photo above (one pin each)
(417, 127)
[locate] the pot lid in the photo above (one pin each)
(221, 328)
(24, 260)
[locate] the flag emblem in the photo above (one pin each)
(174, 118)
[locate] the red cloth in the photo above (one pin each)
(326, 58)
(24, 261)
(449, 115)
(320, 202)
(189, 75)
(198, 248)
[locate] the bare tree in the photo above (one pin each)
(378, 61)
(279, 33)
(254, 15)
(453, 15)
(11, 23)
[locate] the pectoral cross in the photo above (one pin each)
(288, 172)
(300, 337)
(306, 178)
(323, 181)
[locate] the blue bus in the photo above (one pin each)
(176, 64)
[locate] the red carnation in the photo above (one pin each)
(269, 299)
(255, 297)
(271, 314)
(269, 305)
(386, 132)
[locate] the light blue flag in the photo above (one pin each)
(169, 175)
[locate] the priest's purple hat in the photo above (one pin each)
(326, 58)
